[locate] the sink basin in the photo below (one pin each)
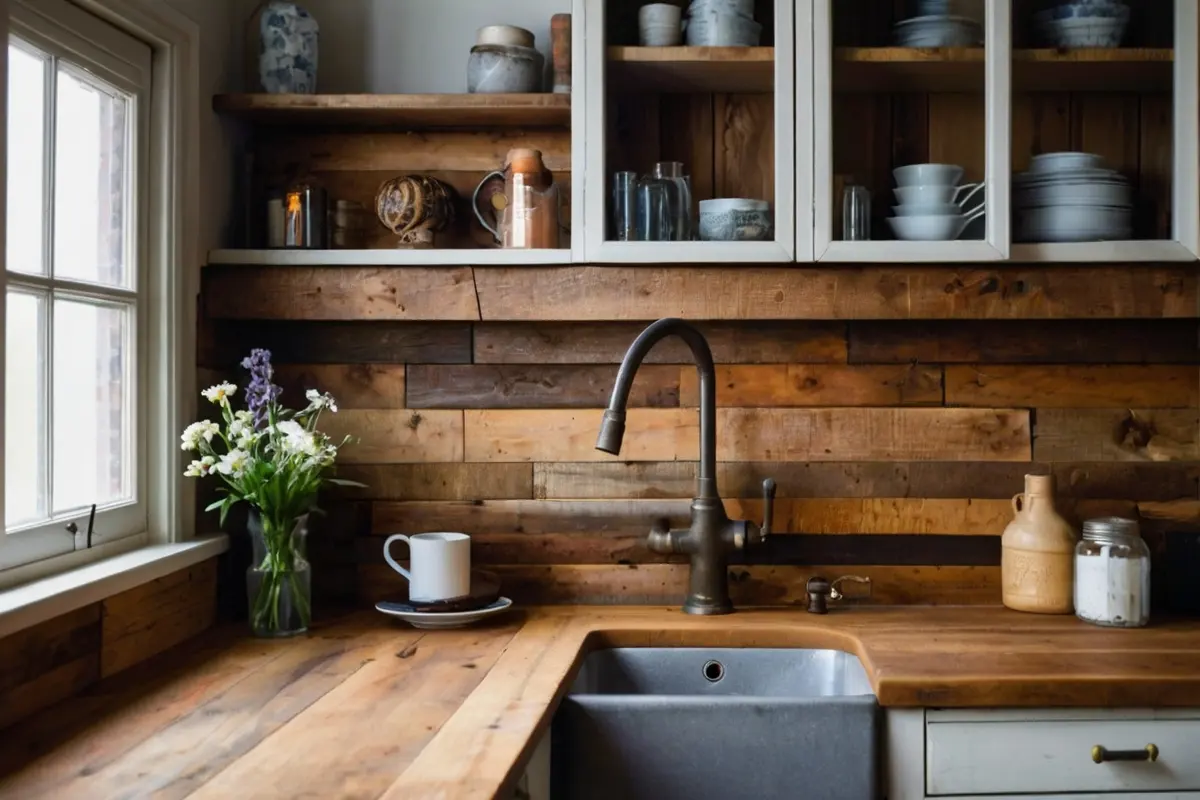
(696, 723)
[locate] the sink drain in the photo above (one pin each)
(713, 671)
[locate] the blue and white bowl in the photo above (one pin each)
(287, 54)
(736, 220)
(1085, 23)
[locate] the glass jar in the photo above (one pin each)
(1112, 574)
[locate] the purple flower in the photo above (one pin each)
(261, 393)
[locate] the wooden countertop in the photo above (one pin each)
(367, 709)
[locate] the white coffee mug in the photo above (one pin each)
(440, 565)
(659, 25)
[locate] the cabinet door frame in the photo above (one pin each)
(997, 153)
(596, 175)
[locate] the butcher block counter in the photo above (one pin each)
(366, 708)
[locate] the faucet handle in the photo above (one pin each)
(836, 594)
(768, 507)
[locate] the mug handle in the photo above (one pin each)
(974, 187)
(475, 203)
(387, 554)
(1018, 503)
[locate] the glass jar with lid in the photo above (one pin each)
(1112, 574)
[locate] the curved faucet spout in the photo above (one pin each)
(612, 428)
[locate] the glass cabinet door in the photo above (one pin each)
(690, 142)
(1104, 135)
(910, 155)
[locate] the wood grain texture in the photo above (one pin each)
(49, 662)
(647, 293)
(352, 385)
(606, 343)
(744, 126)
(313, 342)
(147, 620)
(1040, 124)
(756, 434)
(995, 480)
(439, 481)
(340, 293)
(1069, 386)
(957, 132)
(1152, 217)
(1026, 342)
(693, 69)
(397, 436)
(787, 385)
(536, 386)
(1117, 435)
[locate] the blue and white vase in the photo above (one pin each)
(287, 52)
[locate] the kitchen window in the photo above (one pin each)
(76, 352)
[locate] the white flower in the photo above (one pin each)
(318, 400)
(242, 433)
(219, 393)
(244, 416)
(233, 463)
(296, 439)
(198, 469)
(193, 433)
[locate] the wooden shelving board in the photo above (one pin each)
(691, 69)
(959, 69)
(406, 111)
(397, 257)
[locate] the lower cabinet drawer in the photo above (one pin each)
(1010, 755)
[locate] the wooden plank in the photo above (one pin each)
(397, 436)
(535, 386)
(439, 481)
(313, 342)
(1027, 341)
(606, 343)
(756, 434)
(1071, 386)
(988, 480)
(686, 134)
(1107, 124)
(1041, 123)
(1117, 435)
(148, 744)
(48, 662)
(783, 385)
(401, 153)
(342, 293)
(353, 385)
(957, 134)
(692, 69)
(151, 618)
(648, 293)
(391, 713)
(404, 111)
(1156, 165)
(745, 146)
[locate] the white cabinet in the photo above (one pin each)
(1043, 754)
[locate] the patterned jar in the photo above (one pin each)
(286, 36)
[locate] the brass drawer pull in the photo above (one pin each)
(1148, 753)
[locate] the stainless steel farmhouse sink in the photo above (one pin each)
(663, 723)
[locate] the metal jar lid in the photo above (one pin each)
(1111, 530)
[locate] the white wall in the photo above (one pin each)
(401, 46)
(220, 63)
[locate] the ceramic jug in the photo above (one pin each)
(1037, 562)
(522, 200)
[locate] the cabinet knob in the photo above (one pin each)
(1101, 754)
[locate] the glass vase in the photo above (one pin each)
(279, 580)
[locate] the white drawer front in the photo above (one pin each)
(1013, 757)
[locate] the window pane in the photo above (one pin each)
(25, 410)
(92, 405)
(26, 159)
(92, 181)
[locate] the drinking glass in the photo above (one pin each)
(856, 214)
(624, 206)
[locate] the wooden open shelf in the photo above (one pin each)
(691, 69)
(406, 111)
(960, 69)
(394, 257)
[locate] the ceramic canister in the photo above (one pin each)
(1037, 561)
(287, 38)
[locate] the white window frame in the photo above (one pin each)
(168, 197)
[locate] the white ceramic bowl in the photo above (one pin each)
(743, 7)
(970, 9)
(928, 195)
(928, 175)
(509, 35)
(931, 228)
(937, 31)
(733, 219)
(1065, 162)
(946, 210)
(712, 28)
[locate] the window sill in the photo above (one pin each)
(24, 606)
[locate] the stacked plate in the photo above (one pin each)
(931, 203)
(1084, 23)
(938, 30)
(1072, 197)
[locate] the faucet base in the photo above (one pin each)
(706, 608)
